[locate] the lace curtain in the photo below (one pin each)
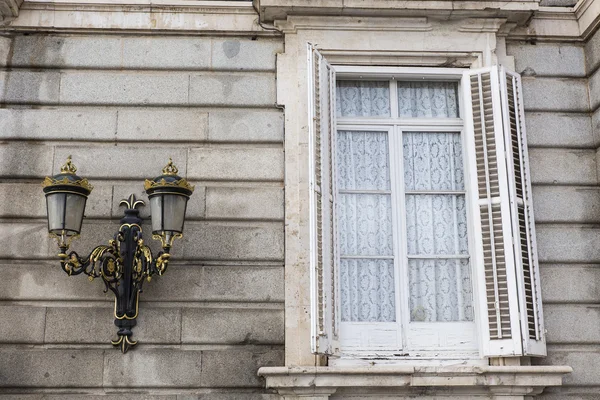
(436, 227)
(439, 279)
(365, 227)
(427, 99)
(415, 99)
(363, 99)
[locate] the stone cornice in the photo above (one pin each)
(519, 20)
(588, 16)
(181, 16)
(293, 24)
(517, 10)
(513, 380)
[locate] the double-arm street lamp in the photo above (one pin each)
(126, 261)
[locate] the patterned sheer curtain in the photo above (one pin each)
(436, 220)
(365, 227)
(439, 279)
(427, 99)
(363, 99)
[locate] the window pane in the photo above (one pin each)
(362, 98)
(427, 99)
(362, 160)
(365, 225)
(367, 290)
(440, 290)
(436, 224)
(433, 161)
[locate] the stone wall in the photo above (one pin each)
(121, 106)
(563, 140)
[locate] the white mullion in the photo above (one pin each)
(361, 257)
(438, 256)
(364, 191)
(457, 264)
(397, 233)
(394, 98)
(434, 124)
(402, 241)
(438, 192)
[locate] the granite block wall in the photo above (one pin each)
(560, 85)
(121, 105)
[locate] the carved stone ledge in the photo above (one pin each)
(9, 10)
(514, 382)
(518, 10)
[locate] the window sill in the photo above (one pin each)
(320, 382)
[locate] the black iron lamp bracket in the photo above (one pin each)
(124, 264)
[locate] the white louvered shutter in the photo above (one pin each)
(529, 287)
(321, 83)
(505, 258)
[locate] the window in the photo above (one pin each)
(423, 241)
(401, 219)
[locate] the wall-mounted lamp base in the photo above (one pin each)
(123, 265)
(124, 341)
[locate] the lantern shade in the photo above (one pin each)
(66, 196)
(168, 194)
(168, 212)
(65, 212)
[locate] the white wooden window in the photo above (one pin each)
(422, 235)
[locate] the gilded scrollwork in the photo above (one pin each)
(124, 264)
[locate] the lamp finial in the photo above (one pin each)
(68, 167)
(170, 168)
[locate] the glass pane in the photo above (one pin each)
(156, 213)
(55, 204)
(436, 224)
(440, 290)
(365, 225)
(427, 99)
(363, 160)
(367, 290)
(168, 212)
(74, 214)
(433, 161)
(174, 212)
(362, 98)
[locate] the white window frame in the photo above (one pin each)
(412, 338)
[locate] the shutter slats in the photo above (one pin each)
(321, 143)
(488, 189)
(506, 261)
(523, 225)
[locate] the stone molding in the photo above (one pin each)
(271, 10)
(526, 18)
(320, 382)
(9, 10)
(189, 17)
(588, 16)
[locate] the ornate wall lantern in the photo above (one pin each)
(126, 261)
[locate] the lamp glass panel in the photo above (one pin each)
(156, 213)
(55, 204)
(174, 212)
(74, 212)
